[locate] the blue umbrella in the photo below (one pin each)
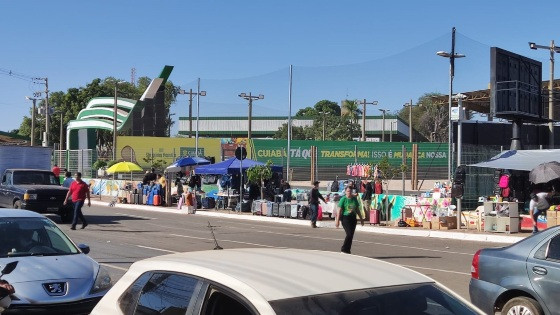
(186, 161)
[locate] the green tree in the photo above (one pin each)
(351, 110)
(259, 173)
(298, 133)
(429, 119)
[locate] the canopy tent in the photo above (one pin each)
(186, 161)
(230, 166)
(522, 160)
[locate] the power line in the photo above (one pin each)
(20, 76)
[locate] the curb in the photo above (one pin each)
(491, 238)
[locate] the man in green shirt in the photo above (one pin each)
(349, 207)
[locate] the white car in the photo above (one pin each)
(276, 281)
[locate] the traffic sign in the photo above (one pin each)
(241, 153)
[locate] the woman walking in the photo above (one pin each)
(349, 207)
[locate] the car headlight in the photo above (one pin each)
(27, 196)
(102, 281)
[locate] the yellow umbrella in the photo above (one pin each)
(124, 167)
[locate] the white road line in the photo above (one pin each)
(434, 269)
(113, 266)
(222, 240)
(136, 216)
(367, 242)
(159, 249)
(332, 239)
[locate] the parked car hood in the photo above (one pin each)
(41, 268)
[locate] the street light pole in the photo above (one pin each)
(552, 49)
(250, 98)
(451, 57)
(364, 103)
(115, 110)
(191, 94)
(460, 98)
(410, 105)
(383, 126)
(32, 119)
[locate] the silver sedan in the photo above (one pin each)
(53, 275)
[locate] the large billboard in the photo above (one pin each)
(342, 153)
(515, 86)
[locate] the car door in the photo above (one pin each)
(543, 268)
(5, 190)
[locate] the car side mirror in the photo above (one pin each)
(9, 267)
(84, 248)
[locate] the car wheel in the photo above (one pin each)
(522, 306)
(17, 204)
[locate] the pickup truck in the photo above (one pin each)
(35, 190)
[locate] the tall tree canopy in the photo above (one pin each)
(429, 119)
(326, 116)
(69, 103)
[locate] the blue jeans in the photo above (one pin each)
(536, 214)
(314, 211)
(78, 213)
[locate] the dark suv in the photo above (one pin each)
(523, 278)
(35, 190)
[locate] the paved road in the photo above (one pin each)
(119, 237)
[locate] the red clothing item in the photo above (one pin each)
(56, 171)
(79, 190)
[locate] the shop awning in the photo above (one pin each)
(231, 166)
(522, 160)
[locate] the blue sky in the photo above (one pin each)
(383, 50)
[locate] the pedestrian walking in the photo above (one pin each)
(349, 207)
(79, 191)
(314, 203)
(538, 204)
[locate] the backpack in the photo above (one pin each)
(378, 188)
(334, 186)
(504, 181)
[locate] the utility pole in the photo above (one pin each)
(190, 93)
(33, 99)
(383, 124)
(410, 105)
(324, 116)
(250, 98)
(46, 135)
(552, 49)
(364, 103)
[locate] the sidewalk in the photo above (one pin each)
(467, 235)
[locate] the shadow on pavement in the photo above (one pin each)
(102, 219)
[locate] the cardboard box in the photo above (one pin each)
(449, 224)
(427, 225)
(552, 214)
(435, 223)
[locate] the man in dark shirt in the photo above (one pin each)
(366, 197)
(314, 203)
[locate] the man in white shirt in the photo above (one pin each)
(538, 205)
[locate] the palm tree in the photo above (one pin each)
(351, 109)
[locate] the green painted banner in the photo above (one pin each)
(342, 153)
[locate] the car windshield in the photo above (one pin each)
(34, 178)
(33, 237)
(425, 298)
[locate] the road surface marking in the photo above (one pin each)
(159, 249)
(113, 266)
(434, 269)
(222, 240)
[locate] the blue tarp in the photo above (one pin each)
(230, 166)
